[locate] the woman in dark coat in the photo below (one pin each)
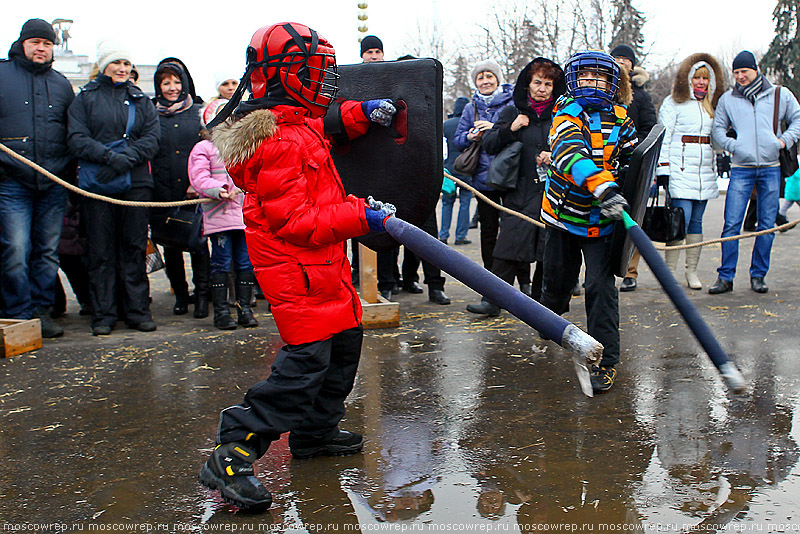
(116, 236)
(179, 115)
(519, 243)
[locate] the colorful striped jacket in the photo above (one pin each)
(588, 147)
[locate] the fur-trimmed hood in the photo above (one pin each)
(237, 140)
(682, 87)
(624, 94)
(639, 76)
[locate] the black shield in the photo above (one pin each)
(636, 184)
(406, 170)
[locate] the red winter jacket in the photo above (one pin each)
(298, 216)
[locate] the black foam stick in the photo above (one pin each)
(733, 378)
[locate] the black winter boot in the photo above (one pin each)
(49, 328)
(230, 470)
(201, 303)
(344, 443)
(202, 293)
(219, 295)
(245, 280)
(484, 308)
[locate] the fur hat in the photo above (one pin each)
(34, 28)
(487, 65)
(109, 52)
(682, 87)
(369, 42)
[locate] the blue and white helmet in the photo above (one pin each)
(592, 61)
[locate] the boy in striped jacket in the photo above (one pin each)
(591, 138)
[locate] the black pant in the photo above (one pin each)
(176, 272)
(116, 238)
(489, 218)
(433, 275)
(562, 265)
(508, 270)
(387, 271)
(75, 269)
(304, 394)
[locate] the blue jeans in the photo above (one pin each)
(30, 228)
(462, 219)
(226, 247)
(693, 211)
(767, 181)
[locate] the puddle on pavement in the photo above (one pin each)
(473, 425)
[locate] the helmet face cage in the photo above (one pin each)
(303, 62)
(592, 94)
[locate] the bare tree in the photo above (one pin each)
(512, 38)
(626, 27)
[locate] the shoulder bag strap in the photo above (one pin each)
(775, 111)
(131, 118)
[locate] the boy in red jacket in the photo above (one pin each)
(298, 218)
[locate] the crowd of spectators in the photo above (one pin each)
(167, 156)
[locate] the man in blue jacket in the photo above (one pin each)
(33, 123)
(748, 108)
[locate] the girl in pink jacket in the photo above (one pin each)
(224, 226)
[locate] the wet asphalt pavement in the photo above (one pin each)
(472, 424)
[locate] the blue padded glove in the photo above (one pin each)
(375, 219)
(377, 212)
(379, 111)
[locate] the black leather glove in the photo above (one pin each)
(106, 174)
(119, 163)
(612, 204)
(662, 181)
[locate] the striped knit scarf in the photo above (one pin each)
(751, 91)
(175, 107)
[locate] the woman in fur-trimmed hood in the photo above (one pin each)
(687, 157)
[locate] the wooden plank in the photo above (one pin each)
(18, 336)
(382, 314)
(368, 274)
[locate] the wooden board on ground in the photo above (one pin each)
(378, 312)
(381, 314)
(19, 335)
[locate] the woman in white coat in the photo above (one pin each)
(687, 157)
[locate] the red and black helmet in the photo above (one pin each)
(296, 57)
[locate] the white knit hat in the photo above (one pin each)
(222, 77)
(110, 51)
(484, 66)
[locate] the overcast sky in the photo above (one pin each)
(212, 40)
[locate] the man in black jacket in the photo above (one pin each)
(643, 113)
(33, 123)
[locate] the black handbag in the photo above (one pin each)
(504, 169)
(787, 156)
(467, 162)
(87, 170)
(664, 223)
(182, 229)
